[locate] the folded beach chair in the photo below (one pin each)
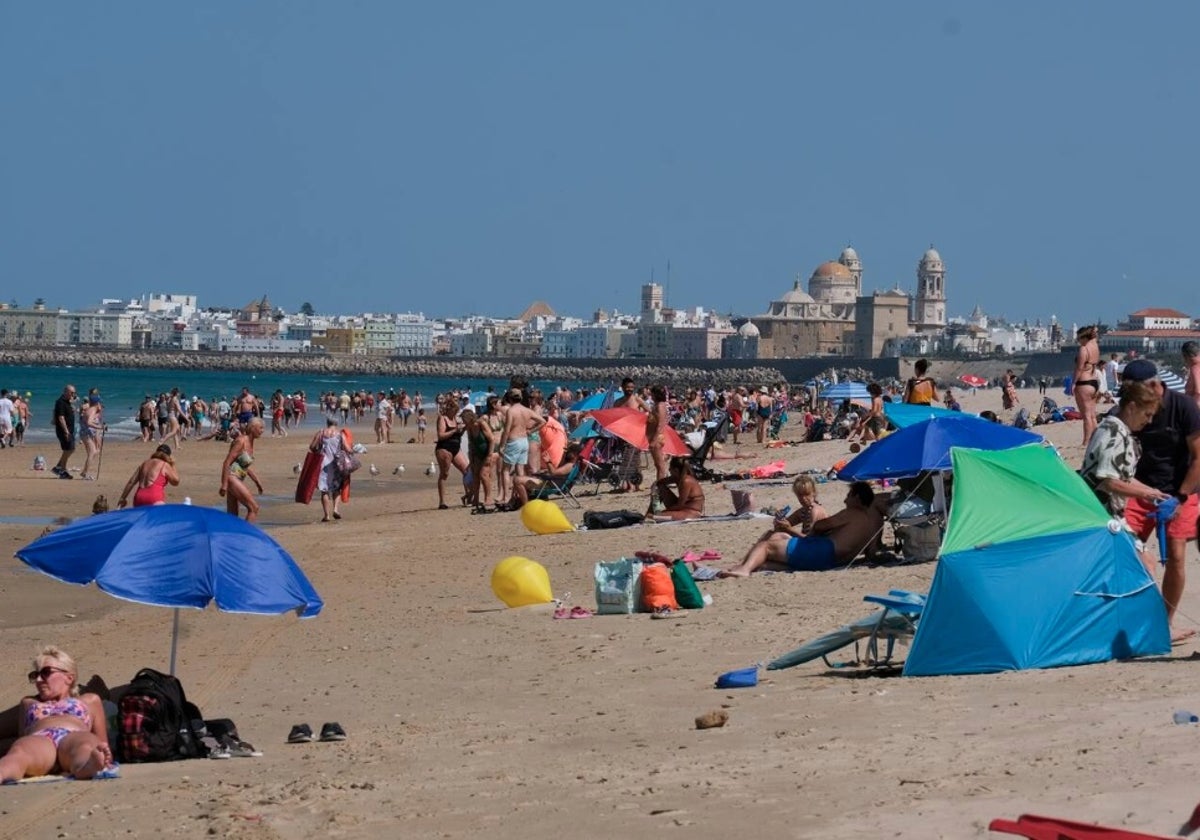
(552, 486)
(897, 621)
(1052, 828)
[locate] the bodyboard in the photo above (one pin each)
(309, 474)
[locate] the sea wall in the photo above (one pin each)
(679, 374)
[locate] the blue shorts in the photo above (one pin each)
(811, 554)
(516, 452)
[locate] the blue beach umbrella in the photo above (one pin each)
(903, 415)
(926, 446)
(846, 391)
(177, 556)
(591, 402)
(586, 430)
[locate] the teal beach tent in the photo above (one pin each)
(1033, 574)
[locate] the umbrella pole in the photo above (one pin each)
(174, 641)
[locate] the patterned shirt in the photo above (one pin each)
(1111, 453)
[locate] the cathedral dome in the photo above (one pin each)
(796, 295)
(748, 330)
(831, 270)
(848, 254)
(931, 259)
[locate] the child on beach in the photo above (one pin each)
(421, 423)
(808, 509)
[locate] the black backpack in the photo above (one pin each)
(594, 520)
(156, 720)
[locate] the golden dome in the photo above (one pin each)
(832, 269)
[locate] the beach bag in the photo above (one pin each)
(618, 586)
(156, 720)
(347, 463)
(686, 592)
(658, 589)
(601, 519)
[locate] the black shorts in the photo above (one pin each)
(67, 442)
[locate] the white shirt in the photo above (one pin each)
(6, 410)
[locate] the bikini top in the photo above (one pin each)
(69, 706)
(244, 460)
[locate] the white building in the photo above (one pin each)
(96, 329)
(181, 306)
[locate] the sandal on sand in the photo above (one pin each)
(579, 612)
(333, 732)
(666, 612)
(562, 612)
(301, 734)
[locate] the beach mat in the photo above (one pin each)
(107, 773)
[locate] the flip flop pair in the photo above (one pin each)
(694, 557)
(574, 612)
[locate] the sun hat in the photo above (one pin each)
(1140, 370)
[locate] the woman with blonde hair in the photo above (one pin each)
(1085, 380)
(58, 729)
(237, 467)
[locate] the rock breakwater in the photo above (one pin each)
(603, 370)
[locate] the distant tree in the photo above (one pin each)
(307, 310)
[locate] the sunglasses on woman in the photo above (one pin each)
(45, 673)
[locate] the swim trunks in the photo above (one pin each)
(516, 452)
(811, 554)
(1139, 516)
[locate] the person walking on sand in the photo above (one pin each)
(237, 467)
(329, 443)
(763, 405)
(519, 421)
(91, 434)
(64, 429)
(833, 541)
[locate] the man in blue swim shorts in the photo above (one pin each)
(834, 541)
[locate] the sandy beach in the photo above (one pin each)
(468, 719)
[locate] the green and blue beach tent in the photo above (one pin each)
(1033, 573)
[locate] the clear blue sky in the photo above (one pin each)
(454, 158)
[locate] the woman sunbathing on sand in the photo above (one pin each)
(59, 729)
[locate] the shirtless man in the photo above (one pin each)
(629, 396)
(245, 406)
(519, 421)
(834, 541)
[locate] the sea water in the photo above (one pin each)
(123, 390)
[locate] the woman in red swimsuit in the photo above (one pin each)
(58, 729)
(150, 480)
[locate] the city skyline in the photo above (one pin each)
(396, 157)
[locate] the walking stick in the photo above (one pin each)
(100, 454)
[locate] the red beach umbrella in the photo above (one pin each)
(973, 380)
(629, 425)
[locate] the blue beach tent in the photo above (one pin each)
(1033, 574)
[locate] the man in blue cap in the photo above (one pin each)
(1170, 462)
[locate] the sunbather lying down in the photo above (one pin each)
(834, 541)
(58, 729)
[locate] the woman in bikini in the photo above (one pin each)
(656, 421)
(149, 481)
(237, 467)
(686, 501)
(58, 729)
(1086, 379)
(91, 427)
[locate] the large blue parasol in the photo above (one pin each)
(177, 556)
(926, 446)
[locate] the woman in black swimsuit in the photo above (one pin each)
(1086, 387)
(448, 449)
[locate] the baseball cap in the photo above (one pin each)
(1140, 370)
